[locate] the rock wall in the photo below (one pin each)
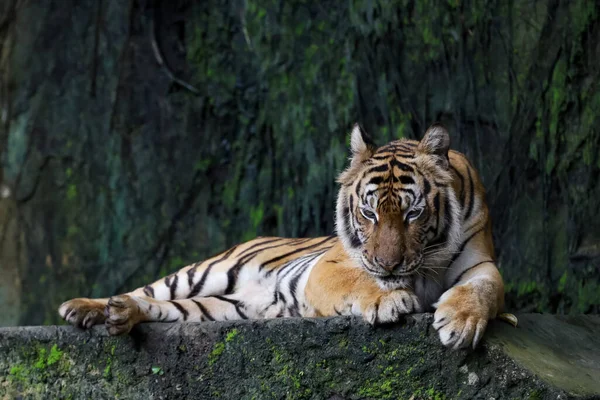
(138, 136)
(546, 357)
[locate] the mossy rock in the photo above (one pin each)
(546, 357)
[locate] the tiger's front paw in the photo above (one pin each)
(82, 312)
(390, 306)
(462, 315)
(122, 313)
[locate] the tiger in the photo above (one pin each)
(413, 234)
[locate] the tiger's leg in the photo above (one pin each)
(125, 311)
(201, 278)
(337, 287)
(475, 295)
(211, 277)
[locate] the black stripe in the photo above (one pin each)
(198, 286)
(232, 275)
(463, 245)
(427, 186)
(173, 286)
(471, 195)
(443, 236)
(449, 216)
(281, 257)
(458, 278)
(281, 297)
(236, 304)
(285, 269)
(355, 240)
(222, 298)
(191, 272)
(404, 155)
(240, 312)
(258, 244)
(379, 168)
(149, 291)
(394, 162)
(181, 310)
(417, 199)
(294, 281)
(381, 157)
(462, 186)
(376, 180)
(203, 310)
(358, 187)
(407, 180)
(342, 227)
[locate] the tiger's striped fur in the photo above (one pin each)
(413, 234)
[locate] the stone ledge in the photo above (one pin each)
(547, 357)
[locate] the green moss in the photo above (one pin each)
(107, 370)
(39, 363)
(231, 335)
(216, 352)
(381, 388)
(535, 395)
(107, 374)
(18, 372)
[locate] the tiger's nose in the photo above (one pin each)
(389, 265)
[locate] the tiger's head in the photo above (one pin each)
(397, 213)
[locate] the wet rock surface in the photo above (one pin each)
(546, 357)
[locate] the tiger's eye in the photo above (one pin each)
(368, 214)
(413, 214)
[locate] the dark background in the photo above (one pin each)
(138, 136)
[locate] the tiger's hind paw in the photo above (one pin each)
(122, 313)
(390, 306)
(83, 313)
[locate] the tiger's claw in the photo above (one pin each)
(509, 318)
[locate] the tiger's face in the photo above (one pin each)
(397, 215)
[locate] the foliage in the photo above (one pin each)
(120, 174)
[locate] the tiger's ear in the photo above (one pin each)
(362, 149)
(436, 143)
(361, 144)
